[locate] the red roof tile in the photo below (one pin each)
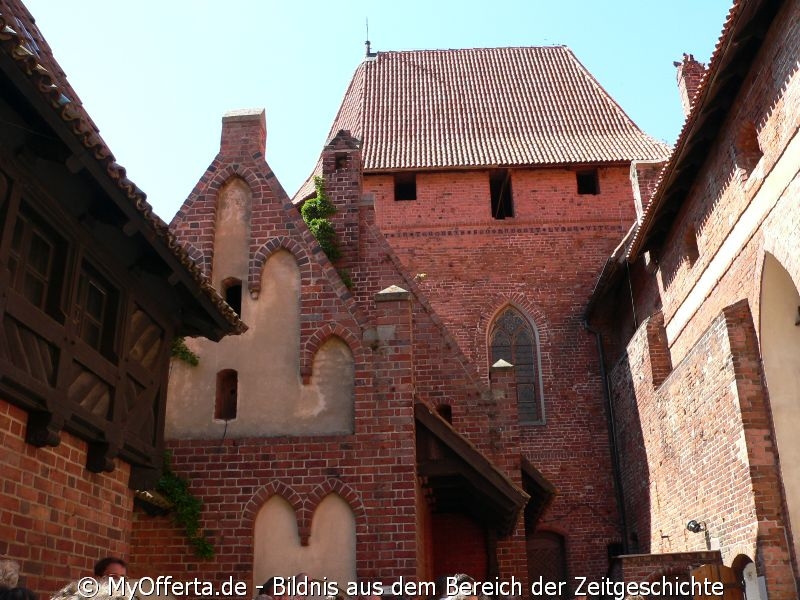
(436, 109)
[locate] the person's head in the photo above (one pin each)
(111, 566)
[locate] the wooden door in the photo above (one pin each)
(732, 588)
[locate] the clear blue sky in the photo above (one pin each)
(156, 77)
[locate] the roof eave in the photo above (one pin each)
(746, 28)
(210, 316)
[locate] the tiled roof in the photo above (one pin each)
(21, 39)
(436, 109)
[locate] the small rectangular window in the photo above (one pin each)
(500, 190)
(405, 186)
(588, 182)
(37, 262)
(96, 310)
(227, 392)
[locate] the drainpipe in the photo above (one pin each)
(612, 434)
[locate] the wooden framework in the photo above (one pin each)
(82, 347)
(92, 292)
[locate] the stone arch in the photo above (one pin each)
(316, 340)
(319, 493)
(747, 575)
(489, 311)
(233, 209)
(276, 540)
(779, 318)
(269, 247)
(262, 495)
(529, 374)
(221, 177)
(327, 398)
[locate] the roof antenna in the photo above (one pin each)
(370, 54)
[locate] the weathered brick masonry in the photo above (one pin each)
(697, 395)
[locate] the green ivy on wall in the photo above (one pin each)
(187, 508)
(181, 351)
(316, 213)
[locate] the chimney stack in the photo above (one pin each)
(244, 134)
(690, 74)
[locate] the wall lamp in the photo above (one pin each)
(696, 526)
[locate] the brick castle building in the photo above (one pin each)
(549, 348)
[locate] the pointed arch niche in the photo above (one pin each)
(331, 549)
(327, 402)
(780, 352)
(515, 339)
(232, 232)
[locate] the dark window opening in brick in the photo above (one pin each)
(96, 310)
(446, 412)
(405, 186)
(588, 182)
(748, 152)
(227, 392)
(341, 161)
(233, 293)
(500, 190)
(514, 340)
(690, 243)
(37, 261)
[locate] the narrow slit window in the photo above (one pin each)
(690, 243)
(405, 186)
(500, 190)
(588, 182)
(227, 395)
(748, 151)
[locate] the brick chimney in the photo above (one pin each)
(341, 166)
(244, 134)
(690, 73)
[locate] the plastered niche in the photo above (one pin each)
(331, 550)
(780, 348)
(232, 232)
(271, 397)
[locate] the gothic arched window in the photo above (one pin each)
(513, 339)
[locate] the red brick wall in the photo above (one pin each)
(699, 446)
(544, 261)
(374, 469)
(56, 518)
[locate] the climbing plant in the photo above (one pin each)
(186, 506)
(181, 351)
(316, 213)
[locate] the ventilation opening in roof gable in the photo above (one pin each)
(500, 190)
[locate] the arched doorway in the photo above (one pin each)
(780, 352)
